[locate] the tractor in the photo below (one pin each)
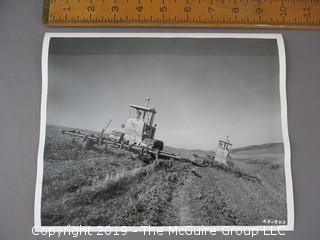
(137, 135)
(140, 128)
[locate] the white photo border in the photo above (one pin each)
(284, 122)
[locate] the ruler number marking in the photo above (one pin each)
(115, 8)
(283, 11)
(90, 8)
(307, 12)
(66, 9)
(187, 9)
(139, 8)
(235, 10)
(163, 9)
(259, 10)
(210, 10)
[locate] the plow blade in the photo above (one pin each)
(136, 148)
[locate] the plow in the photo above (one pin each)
(148, 154)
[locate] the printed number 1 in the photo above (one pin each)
(210, 10)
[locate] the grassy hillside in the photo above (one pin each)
(115, 187)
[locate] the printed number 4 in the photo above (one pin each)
(139, 8)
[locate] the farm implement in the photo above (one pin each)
(138, 135)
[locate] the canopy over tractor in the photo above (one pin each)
(140, 128)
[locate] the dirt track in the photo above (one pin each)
(115, 187)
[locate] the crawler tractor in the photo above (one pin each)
(140, 129)
(222, 153)
(138, 134)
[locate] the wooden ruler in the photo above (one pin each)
(184, 13)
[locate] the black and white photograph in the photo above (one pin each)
(163, 130)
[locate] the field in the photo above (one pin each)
(115, 187)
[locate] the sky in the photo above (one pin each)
(202, 89)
